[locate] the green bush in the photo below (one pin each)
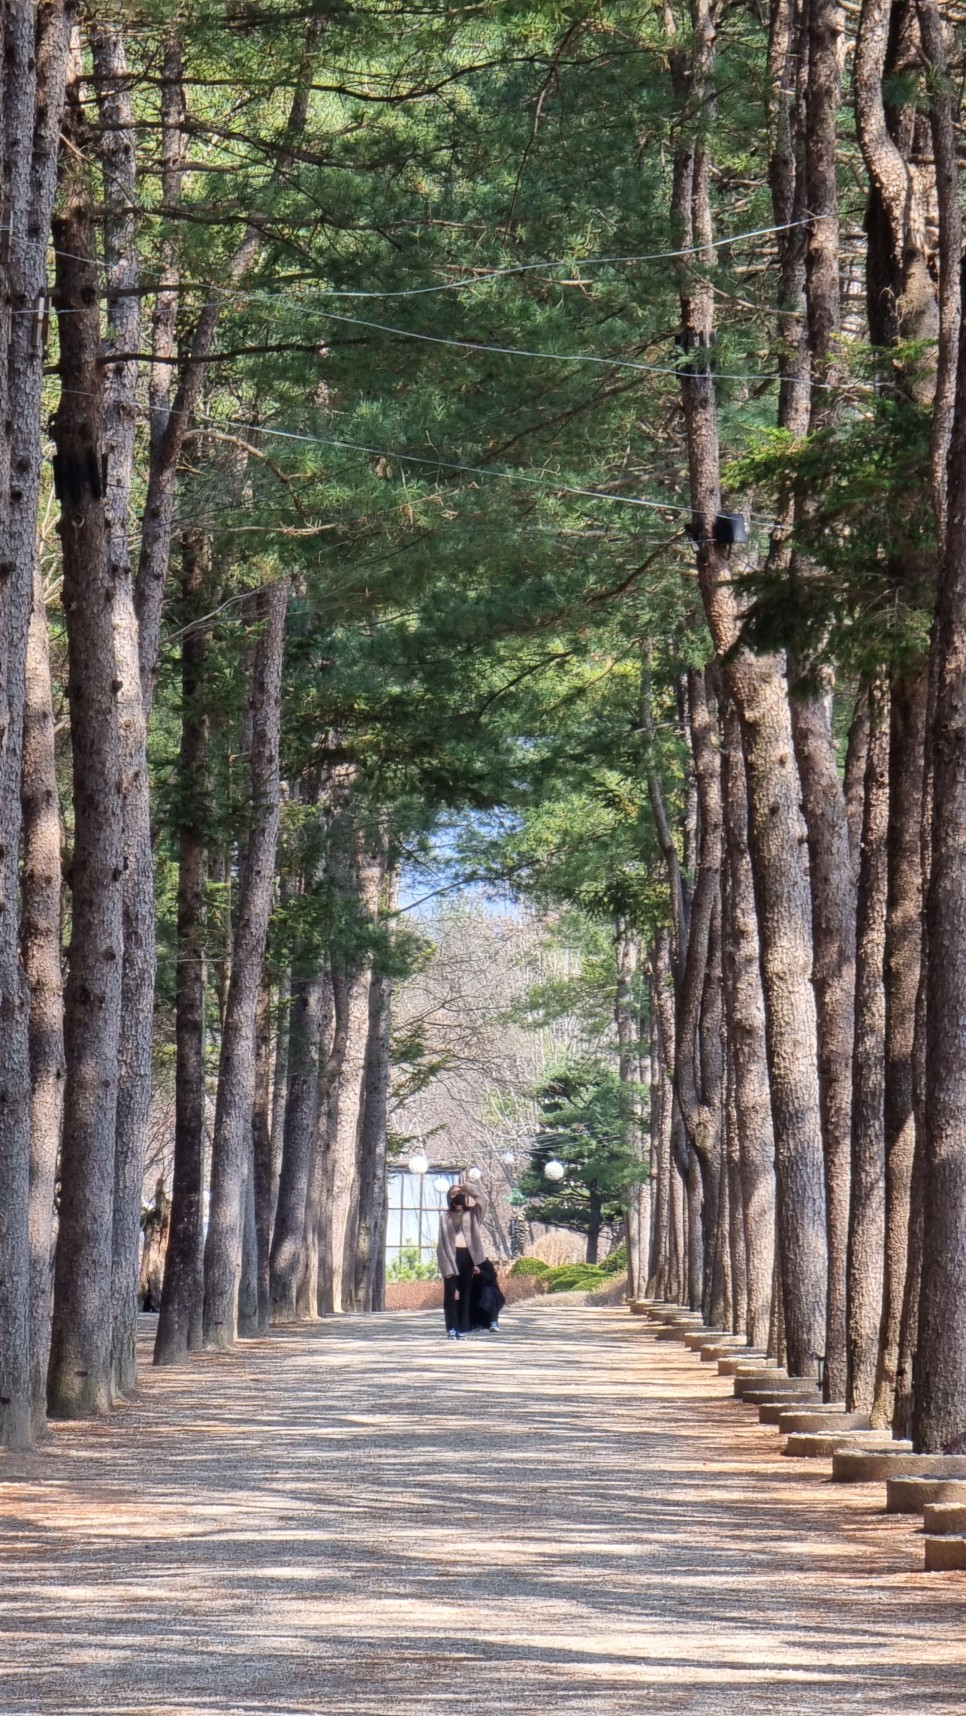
(409, 1266)
(574, 1278)
(530, 1266)
(616, 1263)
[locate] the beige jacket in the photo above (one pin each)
(449, 1227)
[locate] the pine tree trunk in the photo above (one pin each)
(867, 1202)
(40, 931)
(696, 1218)
(721, 1309)
(833, 896)
(737, 1246)
(717, 1287)
(248, 1276)
(939, 1380)
(628, 1041)
(855, 760)
(648, 1145)
(698, 1061)
(352, 990)
(594, 1224)
(902, 1418)
(263, 1180)
(80, 1359)
(310, 1298)
(36, 48)
(118, 155)
(302, 1101)
(747, 1042)
(361, 872)
(370, 1258)
(279, 1080)
(903, 948)
(677, 1285)
(775, 833)
(660, 1187)
(236, 1072)
(663, 1264)
(179, 1325)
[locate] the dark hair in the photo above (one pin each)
(456, 1197)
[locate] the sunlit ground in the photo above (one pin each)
(363, 1518)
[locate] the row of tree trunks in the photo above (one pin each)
(300, 1139)
(231, 1139)
(886, 1049)
(351, 983)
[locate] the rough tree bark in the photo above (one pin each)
(833, 894)
(854, 783)
(636, 1218)
(263, 1189)
(939, 1380)
(943, 124)
(698, 1061)
(351, 980)
(302, 1108)
(36, 44)
(370, 1242)
(867, 1199)
(310, 1302)
(659, 1266)
(80, 1356)
(746, 1036)
(776, 841)
(40, 948)
(903, 948)
(279, 1079)
(806, 78)
(236, 1072)
(370, 1259)
(119, 160)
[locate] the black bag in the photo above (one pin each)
(486, 1299)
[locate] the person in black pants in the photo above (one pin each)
(460, 1251)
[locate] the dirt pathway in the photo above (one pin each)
(364, 1519)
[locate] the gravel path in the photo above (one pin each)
(364, 1519)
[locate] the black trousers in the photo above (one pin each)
(456, 1291)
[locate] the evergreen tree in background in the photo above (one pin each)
(582, 1127)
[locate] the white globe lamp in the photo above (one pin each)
(475, 1174)
(418, 1163)
(440, 1185)
(554, 1170)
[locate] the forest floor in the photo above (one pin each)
(365, 1519)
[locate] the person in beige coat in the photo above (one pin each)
(460, 1251)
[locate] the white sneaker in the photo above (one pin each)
(494, 1329)
(454, 1335)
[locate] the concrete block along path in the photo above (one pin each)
(361, 1518)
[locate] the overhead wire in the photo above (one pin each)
(486, 274)
(595, 359)
(557, 486)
